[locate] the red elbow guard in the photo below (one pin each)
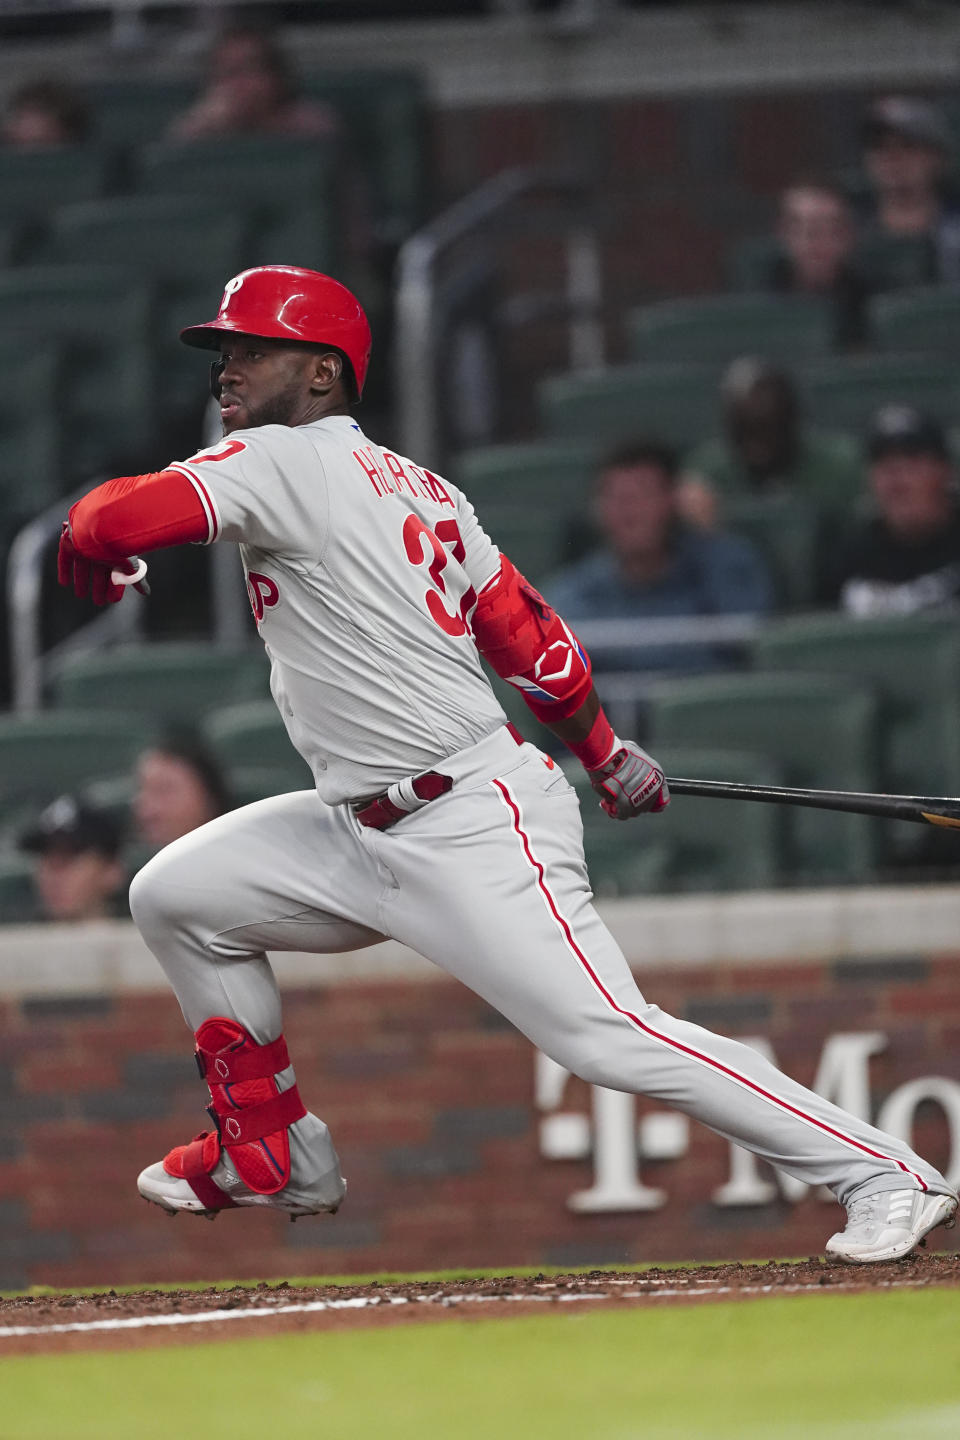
(527, 644)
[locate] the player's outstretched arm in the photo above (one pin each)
(118, 520)
(530, 646)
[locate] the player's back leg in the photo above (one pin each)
(283, 874)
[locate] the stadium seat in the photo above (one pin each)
(924, 321)
(174, 681)
(678, 404)
(842, 394)
(287, 186)
(786, 530)
(248, 783)
(715, 329)
(44, 755)
(130, 113)
(18, 900)
(544, 473)
(253, 735)
(913, 663)
(34, 182)
(100, 316)
(697, 844)
(384, 115)
(821, 730)
(538, 542)
(188, 253)
(31, 435)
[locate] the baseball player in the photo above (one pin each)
(376, 591)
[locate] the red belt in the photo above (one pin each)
(390, 805)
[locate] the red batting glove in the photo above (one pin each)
(630, 783)
(93, 577)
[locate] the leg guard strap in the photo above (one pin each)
(254, 1062)
(253, 1122)
(193, 1163)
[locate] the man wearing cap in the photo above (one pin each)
(904, 555)
(913, 231)
(78, 873)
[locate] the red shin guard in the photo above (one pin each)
(251, 1113)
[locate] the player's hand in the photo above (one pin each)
(630, 782)
(105, 584)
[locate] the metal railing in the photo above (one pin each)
(30, 664)
(418, 356)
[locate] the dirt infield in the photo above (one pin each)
(39, 1324)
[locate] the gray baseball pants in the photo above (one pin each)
(489, 882)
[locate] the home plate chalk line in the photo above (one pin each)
(434, 1298)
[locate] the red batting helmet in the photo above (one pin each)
(283, 302)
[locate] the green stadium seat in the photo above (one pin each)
(187, 252)
(751, 262)
(129, 113)
(11, 239)
(254, 735)
(696, 844)
(174, 681)
(538, 543)
(35, 182)
(786, 529)
(842, 394)
(677, 404)
(18, 899)
(715, 329)
(100, 316)
(384, 115)
(44, 755)
(913, 663)
(289, 187)
(249, 783)
(31, 435)
(924, 321)
(113, 794)
(821, 730)
(895, 262)
(549, 474)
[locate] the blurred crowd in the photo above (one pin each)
(888, 539)
(662, 531)
(84, 854)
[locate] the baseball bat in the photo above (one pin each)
(923, 809)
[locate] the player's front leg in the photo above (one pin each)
(209, 906)
(519, 928)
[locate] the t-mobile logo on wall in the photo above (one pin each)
(619, 1145)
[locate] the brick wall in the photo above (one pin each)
(430, 1096)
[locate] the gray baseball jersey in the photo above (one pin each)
(362, 570)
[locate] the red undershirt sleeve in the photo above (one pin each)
(136, 513)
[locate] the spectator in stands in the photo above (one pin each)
(251, 88)
(179, 786)
(905, 555)
(652, 564)
(78, 874)
(766, 449)
(912, 234)
(813, 254)
(45, 112)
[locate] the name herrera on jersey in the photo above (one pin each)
(406, 476)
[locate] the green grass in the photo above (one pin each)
(834, 1367)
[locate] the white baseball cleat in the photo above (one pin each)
(889, 1224)
(174, 1194)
